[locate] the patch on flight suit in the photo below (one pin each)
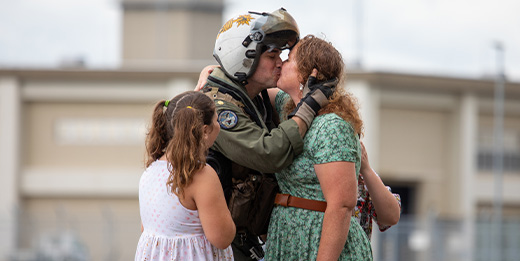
(227, 119)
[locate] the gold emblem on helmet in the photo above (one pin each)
(241, 20)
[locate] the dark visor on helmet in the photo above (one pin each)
(281, 40)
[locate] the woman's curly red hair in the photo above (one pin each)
(313, 52)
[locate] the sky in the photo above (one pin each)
(455, 38)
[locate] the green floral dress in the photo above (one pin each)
(294, 233)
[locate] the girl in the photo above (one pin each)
(183, 211)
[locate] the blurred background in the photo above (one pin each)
(438, 83)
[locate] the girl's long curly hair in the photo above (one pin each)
(313, 52)
(177, 130)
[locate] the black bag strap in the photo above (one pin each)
(268, 110)
(222, 166)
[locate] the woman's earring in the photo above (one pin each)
(301, 87)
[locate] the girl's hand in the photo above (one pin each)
(203, 77)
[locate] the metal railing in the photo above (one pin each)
(437, 239)
(431, 240)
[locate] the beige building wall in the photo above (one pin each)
(413, 149)
(47, 145)
(10, 106)
(421, 144)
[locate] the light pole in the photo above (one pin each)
(358, 14)
(498, 152)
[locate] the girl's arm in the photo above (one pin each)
(214, 214)
(339, 185)
(385, 204)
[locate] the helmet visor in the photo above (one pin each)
(281, 40)
(279, 28)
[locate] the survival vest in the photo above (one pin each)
(250, 196)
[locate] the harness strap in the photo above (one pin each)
(213, 93)
(248, 107)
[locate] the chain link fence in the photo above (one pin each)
(437, 239)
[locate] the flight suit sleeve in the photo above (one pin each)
(249, 145)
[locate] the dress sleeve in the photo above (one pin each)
(280, 100)
(336, 141)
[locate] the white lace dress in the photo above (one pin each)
(171, 231)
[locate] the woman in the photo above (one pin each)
(183, 210)
(303, 226)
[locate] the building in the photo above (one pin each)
(72, 139)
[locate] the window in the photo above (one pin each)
(511, 160)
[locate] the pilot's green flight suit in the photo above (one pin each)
(246, 139)
(248, 144)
